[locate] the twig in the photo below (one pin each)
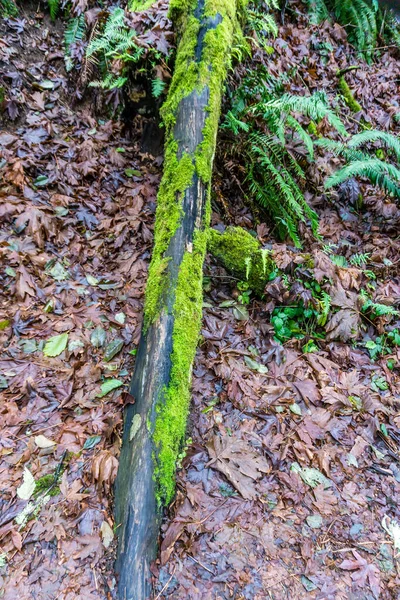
(166, 585)
(201, 564)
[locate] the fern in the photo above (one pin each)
(157, 87)
(8, 8)
(266, 120)
(359, 17)
(74, 32)
(380, 173)
(115, 42)
(360, 162)
(54, 7)
(315, 107)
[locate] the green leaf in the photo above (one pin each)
(91, 442)
(227, 303)
(4, 324)
(120, 318)
(254, 365)
(132, 173)
(98, 337)
(108, 386)
(10, 271)
(113, 348)
(58, 272)
(311, 477)
(92, 280)
(28, 346)
(241, 313)
(41, 181)
(75, 344)
(56, 345)
(46, 84)
(308, 584)
(295, 409)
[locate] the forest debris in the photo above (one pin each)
(238, 462)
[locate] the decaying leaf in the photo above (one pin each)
(238, 462)
(104, 468)
(27, 487)
(42, 441)
(107, 534)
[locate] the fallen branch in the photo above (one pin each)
(154, 426)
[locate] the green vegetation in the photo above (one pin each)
(114, 41)
(360, 154)
(189, 76)
(348, 96)
(8, 8)
(54, 7)
(361, 18)
(263, 120)
(75, 31)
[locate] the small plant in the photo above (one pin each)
(74, 33)
(8, 8)
(271, 130)
(54, 7)
(244, 296)
(360, 153)
(360, 18)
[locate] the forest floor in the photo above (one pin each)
(77, 209)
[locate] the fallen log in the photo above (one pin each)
(155, 425)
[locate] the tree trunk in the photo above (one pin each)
(154, 426)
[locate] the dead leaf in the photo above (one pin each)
(238, 462)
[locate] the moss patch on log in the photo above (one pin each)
(191, 74)
(241, 254)
(172, 410)
(348, 96)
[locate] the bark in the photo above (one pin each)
(154, 426)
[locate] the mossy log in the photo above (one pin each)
(241, 254)
(155, 424)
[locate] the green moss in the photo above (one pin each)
(189, 76)
(351, 102)
(241, 255)
(173, 408)
(44, 484)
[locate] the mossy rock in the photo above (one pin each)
(241, 254)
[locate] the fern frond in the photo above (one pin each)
(74, 32)
(314, 107)
(54, 7)
(8, 8)
(374, 135)
(380, 173)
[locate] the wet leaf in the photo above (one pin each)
(56, 345)
(113, 348)
(108, 386)
(238, 462)
(98, 337)
(91, 442)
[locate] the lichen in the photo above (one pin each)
(189, 76)
(242, 255)
(348, 96)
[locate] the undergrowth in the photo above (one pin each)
(363, 20)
